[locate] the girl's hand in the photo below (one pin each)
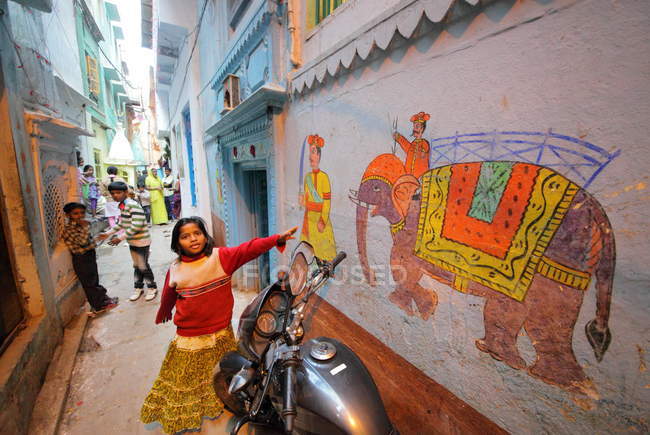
(287, 235)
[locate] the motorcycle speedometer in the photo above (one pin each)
(278, 302)
(266, 323)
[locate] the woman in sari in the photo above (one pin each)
(155, 187)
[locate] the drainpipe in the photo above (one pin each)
(295, 41)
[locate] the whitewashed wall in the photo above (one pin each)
(581, 68)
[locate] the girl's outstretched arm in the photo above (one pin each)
(167, 302)
(233, 258)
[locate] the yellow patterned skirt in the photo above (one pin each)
(183, 394)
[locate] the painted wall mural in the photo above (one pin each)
(492, 215)
(315, 197)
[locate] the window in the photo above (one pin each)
(93, 77)
(230, 92)
(317, 10)
(98, 163)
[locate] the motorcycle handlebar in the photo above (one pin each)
(289, 394)
(339, 257)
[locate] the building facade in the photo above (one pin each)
(105, 84)
(43, 126)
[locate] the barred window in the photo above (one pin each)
(53, 210)
(93, 77)
(317, 10)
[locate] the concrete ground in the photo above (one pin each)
(122, 351)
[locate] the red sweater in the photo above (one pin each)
(199, 287)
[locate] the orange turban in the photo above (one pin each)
(315, 139)
(420, 117)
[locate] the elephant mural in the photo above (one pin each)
(520, 235)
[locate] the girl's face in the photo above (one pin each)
(191, 239)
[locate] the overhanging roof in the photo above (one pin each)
(377, 34)
(118, 87)
(111, 73)
(147, 23)
(111, 12)
(117, 31)
(269, 95)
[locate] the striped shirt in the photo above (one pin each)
(134, 223)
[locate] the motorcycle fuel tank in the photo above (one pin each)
(335, 389)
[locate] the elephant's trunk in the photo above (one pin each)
(362, 230)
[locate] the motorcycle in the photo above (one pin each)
(276, 380)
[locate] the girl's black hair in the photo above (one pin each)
(112, 170)
(87, 167)
(176, 233)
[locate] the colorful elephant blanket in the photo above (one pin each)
(491, 222)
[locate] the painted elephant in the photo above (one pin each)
(522, 236)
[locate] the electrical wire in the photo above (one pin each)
(118, 69)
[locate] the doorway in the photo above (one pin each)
(258, 217)
(11, 312)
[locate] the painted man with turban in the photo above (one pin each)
(417, 152)
(317, 228)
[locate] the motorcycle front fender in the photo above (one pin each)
(339, 391)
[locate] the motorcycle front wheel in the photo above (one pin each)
(221, 382)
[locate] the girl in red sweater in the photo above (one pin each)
(198, 286)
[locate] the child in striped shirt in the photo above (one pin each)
(133, 222)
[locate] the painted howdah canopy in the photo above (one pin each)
(497, 235)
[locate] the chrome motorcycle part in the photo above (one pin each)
(241, 380)
(278, 302)
(221, 382)
(298, 274)
(322, 350)
(266, 323)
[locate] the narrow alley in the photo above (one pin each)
(483, 165)
(122, 350)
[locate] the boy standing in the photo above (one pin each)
(76, 235)
(168, 192)
(137, 236)
(144, 198)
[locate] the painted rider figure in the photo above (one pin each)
(317, 227)
(417, 152)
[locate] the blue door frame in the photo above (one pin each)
(187, 127)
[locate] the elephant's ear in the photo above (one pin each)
(403, 190)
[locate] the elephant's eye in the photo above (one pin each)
(375, 188)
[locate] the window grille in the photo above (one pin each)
(93, 77)
(53, 209)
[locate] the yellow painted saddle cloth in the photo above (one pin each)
(491, 222)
